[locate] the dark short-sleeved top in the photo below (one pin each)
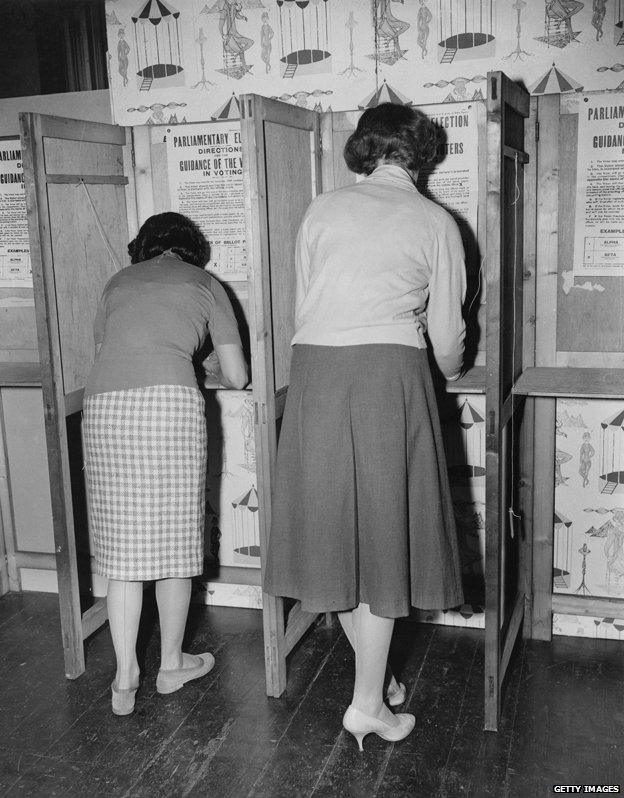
(152, 318)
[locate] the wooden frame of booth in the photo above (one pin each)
(568, 360)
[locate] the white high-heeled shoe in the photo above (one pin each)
(359, 725)
(395, 697)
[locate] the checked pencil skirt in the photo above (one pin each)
(145, 465)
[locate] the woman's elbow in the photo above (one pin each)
(236, 377)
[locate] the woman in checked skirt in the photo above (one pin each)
(362, 519)
(145, 439)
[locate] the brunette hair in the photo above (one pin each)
(394, 133)
(170, 231)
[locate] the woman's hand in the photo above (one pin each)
(226, 369)
(212, 370)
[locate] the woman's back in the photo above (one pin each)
(152, 317)
(378, 262)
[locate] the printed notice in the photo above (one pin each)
(15, 271)
(599, 221)
(454, 182)
(206, 184)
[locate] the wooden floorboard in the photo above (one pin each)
(562, 720)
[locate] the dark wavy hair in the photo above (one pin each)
(172, 231)
(391, 132)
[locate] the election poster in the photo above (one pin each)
(206, 184)
(453, 182)
(15, 270)
(599, 216)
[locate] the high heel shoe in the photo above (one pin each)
(122, 700)
(359, 725)
(395, 697)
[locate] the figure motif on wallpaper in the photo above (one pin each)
(611, 476)
(304, 38)
(470, 530)
(599, 11)
(266, 41)
(558, 31)
(518, 7)
(123, 51)
(466, 30)
(352, 69)
(614, 551)
(561, 457)
(157, 43)
(388, 29)
(422, 26)
(234, 43)
(586, 452)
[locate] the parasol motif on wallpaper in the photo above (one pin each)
(618, 22)
(229, 110)
(612, 454)
(157, 44)
(384, 94)
(554, 81)
(465, 443)
(246, 528)
(563, 550)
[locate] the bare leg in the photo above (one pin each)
(124, 601)
(346, 621)
(173, 597)
(372, 636)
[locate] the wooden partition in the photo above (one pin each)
(578, 340)
(507, 108)
(76, 204)
(282, 172)
(76, 185)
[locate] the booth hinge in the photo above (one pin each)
(491, 422)
(259, 413)
(132, 152)
(537, 130)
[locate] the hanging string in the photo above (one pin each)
(376, 39)
(512, 514)
(100, 228)
(478, 288)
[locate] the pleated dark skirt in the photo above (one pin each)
(362, 509)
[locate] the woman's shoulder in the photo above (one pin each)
(436, 212)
